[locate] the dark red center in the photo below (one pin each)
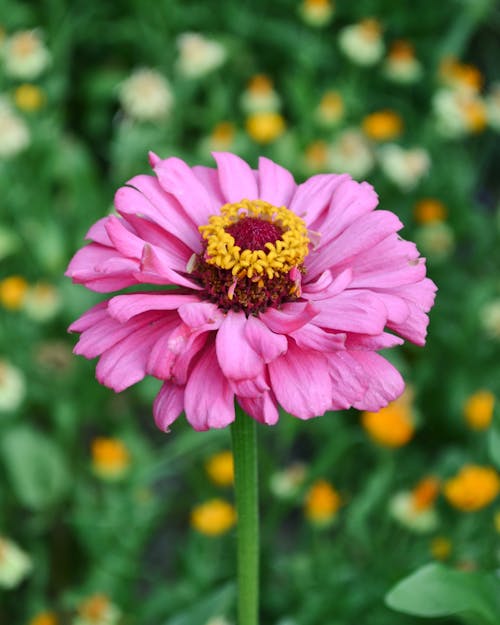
(252, 233)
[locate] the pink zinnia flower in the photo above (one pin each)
(283, 292)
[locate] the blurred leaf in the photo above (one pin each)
(35, 466)
(494, 444)
(435, 590)
(214, 605)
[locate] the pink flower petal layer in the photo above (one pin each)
(361, 283)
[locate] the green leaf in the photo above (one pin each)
(435, 590)
(35, 467)
(494, 444)
(216, 604)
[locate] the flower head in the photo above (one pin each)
(265, 126)
(441, 548)
(429, 210)
(382, 125)
(220, 468)
(401, 65)
(198, 55)
(404, 167)
(393, 425)
(12, 386)
(286, 483)
(14, 133)
(473, 488)
(362, 43)
(283, 292)
(460, 76)
(322, 503)
(330, 109)
(15, 564)
(478, 409)
(146, 95)
(490, 318)
(492, 102)
(44, 618)
(97, 610)
(214, 517)
(13, 292)
(25, 55)
(351, 153)
(110, 458)
(415, 509)
(42, 302)
(317, 12)
(29, 97)
(260, 96)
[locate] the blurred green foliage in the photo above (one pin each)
(130, 538)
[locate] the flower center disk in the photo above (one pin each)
(253, 256)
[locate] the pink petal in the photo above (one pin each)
(236, 178)
(123, 240)
(208, 399)
(101, 269)
(301, 382)
(314, 196)
(178, 253)
(172, 354)
(352, 311)
(98, 234)
(262, 408)
(252, 387)
(419, 298)
(155, 268)
(326, 285)
(289, 318)
(348, 379)
(125, 362)
(350, 200)
(168, 405)
(123, 307)
(371, 343)
(178, 179)
(312, 337)
(361, 235)
(107, 332)
(201, 316)
(236, 357)
(145, 197)
(276, 184)
(209, 178)
(385, 382)
(391, 263)
(264, 341)
(89, 318)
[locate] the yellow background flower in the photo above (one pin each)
(214, 517)
(473, 488)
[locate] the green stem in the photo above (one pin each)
(244, 435)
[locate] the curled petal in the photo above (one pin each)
(289, 318)
(178, 179)
(209, 399)
(262, 408)
(384, 381)
(168, 405)
(237, 359)
(264, 341)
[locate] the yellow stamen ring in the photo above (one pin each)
(281, 256)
